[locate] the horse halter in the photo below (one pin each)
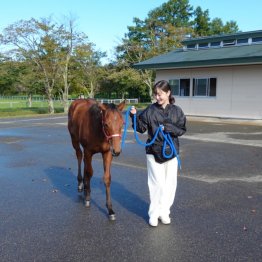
(108, 136)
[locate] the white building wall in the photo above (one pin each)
(238, 93)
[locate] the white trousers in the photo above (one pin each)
(162, 184)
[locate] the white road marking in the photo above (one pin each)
(218, 137)
(211, 180)
(224, 137)
(202, 178)
(31, 119)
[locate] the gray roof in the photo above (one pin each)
(238, 35)
(230, 55)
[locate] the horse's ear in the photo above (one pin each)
(121, 105)
(102, 106)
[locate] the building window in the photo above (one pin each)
(180, 87)
(203, 45)
(215, 44)
(193, 46)
(229, 42)
(242, 41)
(204, 86)
(256, 39)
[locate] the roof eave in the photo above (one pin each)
(221, 37)
(207, 63)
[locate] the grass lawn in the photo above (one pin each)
(19, 108)
(11, 112)
(14, 108)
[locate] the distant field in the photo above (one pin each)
(20, 108)
(13, 107)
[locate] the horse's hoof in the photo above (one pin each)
(112, 217)
(80, 187)
(87, 203)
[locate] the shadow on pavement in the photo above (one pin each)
(64, 181)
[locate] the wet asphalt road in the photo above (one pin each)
(217, 215)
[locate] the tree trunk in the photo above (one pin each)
(65, 103)
(66, 87)
(147, 75)
(30, 100)
(51, 109)
(91, 93)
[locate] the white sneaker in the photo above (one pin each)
(165, 220)
(153, 222)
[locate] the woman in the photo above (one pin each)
(162, 172)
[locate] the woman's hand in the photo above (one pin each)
(168, 126)
(133, 110)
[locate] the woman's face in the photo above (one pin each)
(162, 97)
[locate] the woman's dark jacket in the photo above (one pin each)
(172, 118)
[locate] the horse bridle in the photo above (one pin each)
(108, 137)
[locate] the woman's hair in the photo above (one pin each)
(164, 86)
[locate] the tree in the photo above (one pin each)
(231, 27)
(7, 77)
(37, 42)
(124, 81)
(65, 56)
(17, 77)
(217, 27)
(90, 70)
(70, 40)
(173, 12)
(201, 22)
(162, 31)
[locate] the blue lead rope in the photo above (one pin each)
(167, 139)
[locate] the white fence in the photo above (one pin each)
(118, 101)
(34, 98)
(42, 98)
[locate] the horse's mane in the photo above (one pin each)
(95, 111)
(111, 106)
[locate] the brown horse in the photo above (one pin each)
(95, 128)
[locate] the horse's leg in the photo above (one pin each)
(88, 173)
(107, 159)
(79, 156)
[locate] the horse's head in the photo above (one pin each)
(112, 123)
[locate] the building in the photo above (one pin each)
(218, 76)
